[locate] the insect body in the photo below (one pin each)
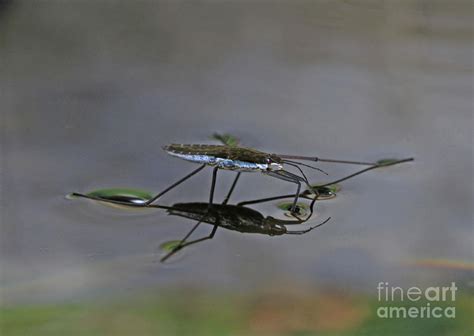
(243, 159)
(226, 157)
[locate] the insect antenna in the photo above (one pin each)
(292, 163)
(316, 159)
(301, 171)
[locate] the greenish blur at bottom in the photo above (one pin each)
(193, 313)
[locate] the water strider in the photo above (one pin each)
(241, 159)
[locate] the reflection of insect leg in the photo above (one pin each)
(299, 220)
(183, 242)
(147, 203)
(300, 232)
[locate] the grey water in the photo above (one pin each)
(92, 90)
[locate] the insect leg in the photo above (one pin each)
(183, 243)
(267, 199)
(174, 185)
(286, 176)
(305, 180)
(211, 197)
(365, 170)
(282, 175)
(140, 205)
(216, 225)
(274, 198)
(231, 190)
(300, 179)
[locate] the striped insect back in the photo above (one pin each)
(225, 157)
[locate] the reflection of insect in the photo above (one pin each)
(231, 217)
(236, 218)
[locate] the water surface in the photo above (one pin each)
(91, 91)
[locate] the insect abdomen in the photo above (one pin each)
(224, 157)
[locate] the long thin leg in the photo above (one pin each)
(365, 170)
(268, 199)
(304, 179)
(231, 190)
(210, 202)
(145, 204)
(214, 229)
(274, 198)
(175, 185)
(211, 197)
(286, 176)
(290, 176)
(182, 243)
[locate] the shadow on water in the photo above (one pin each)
(231, 217)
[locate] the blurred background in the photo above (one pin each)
(91, 90)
